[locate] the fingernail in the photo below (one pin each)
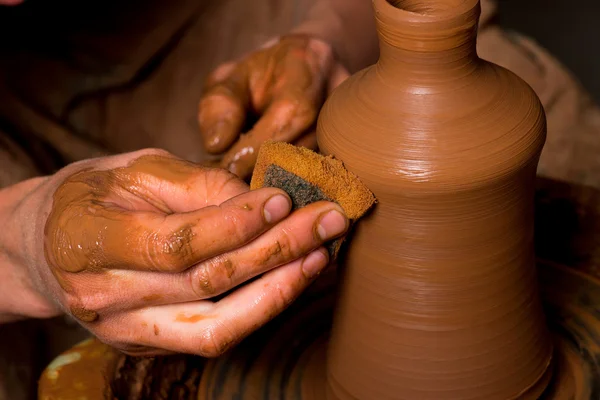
(313, 264)
(331, 224)
(215, 133)
(276, 208)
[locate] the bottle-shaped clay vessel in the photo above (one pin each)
(438, 296)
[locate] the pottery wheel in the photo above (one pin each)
(286, 360)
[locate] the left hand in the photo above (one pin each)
(153, 254)
(284, 83)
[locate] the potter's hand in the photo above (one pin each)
(137, 246)
(283, 84)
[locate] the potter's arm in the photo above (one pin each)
(349, 26)
(18, 295)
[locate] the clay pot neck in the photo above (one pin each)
(427, 39)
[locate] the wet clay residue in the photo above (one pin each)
(229, 268)
(438, 298)
(84, 315)
(183, 317)
(84, 243)
(152, 298)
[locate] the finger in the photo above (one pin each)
(284, 121)
(304, 231)
(293, 238)
(210, 330)
(193, 237)
(102, 237)
(222, 110)
(308, 140)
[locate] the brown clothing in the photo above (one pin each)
(84, 79)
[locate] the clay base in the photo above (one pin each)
(287, 361)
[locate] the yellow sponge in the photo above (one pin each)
(309, 177)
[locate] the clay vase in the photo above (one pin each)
(439, 296)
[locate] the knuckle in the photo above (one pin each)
(201, 281)
(213, 277)
(213, 343)
(237, 225)
(289, 246)
(282, 296)
(171, 252)
(81, 307)
(288, 104)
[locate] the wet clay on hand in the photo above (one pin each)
(438, 297)
(273, 94)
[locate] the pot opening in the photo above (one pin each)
(425, 6)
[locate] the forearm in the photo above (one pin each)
(349, 26)
(18, 295)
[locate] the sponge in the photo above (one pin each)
(308, 177)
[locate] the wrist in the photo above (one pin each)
(348, 26)
(21, 295)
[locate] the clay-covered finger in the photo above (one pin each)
(102, 237)
(223, 109)
(285, 120)
(210, 329)
(302, 232)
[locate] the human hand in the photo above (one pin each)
(283, 85)
(137, 246)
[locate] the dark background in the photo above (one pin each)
(568, 29)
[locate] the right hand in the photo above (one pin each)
(135, 246)
(285, 83)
